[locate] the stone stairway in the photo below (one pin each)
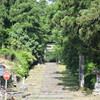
(46, 82)
(52, 86)
(49, 82)
(35, 78)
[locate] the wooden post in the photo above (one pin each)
(81, 70)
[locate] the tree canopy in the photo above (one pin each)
(75, 27)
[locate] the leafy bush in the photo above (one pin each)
(89, 78)
(22, 60)
(25, 59)
(5, 52)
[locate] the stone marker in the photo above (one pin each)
(14, 78)
(38, 64)
(23, 87)
(96, 90)
(81, 70)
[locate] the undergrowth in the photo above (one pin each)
(22, 60)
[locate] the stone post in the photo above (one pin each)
(23, 86)
(45, 55)
(96, 90)
(23, 80)
(81, 70)
(14, 78)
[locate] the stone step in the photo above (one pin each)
(57, 93)
(54, 92)
(66, 77)
(51, 97)
(69, 80)
(68, 84)
(68, 73)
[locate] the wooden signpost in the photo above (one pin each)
(6, 77)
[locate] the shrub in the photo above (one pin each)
(22, 60)
(6, 52)
(89, 78)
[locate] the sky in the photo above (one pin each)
(37, 0)
(49, 2)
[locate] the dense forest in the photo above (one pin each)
(74, 25)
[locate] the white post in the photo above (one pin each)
(23, 80)
(5, 89)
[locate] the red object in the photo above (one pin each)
(5, 89)
(6, 75)
(12, 98)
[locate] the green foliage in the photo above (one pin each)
(24, 21)
(89, 78)
(5, 52)
(25, 59)
(14, 43)
(75, 27)
(54, 55)
(4, 34)
(22, 32)
(58, 50)
(70, 58)
(22, 60)
(50, 56)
